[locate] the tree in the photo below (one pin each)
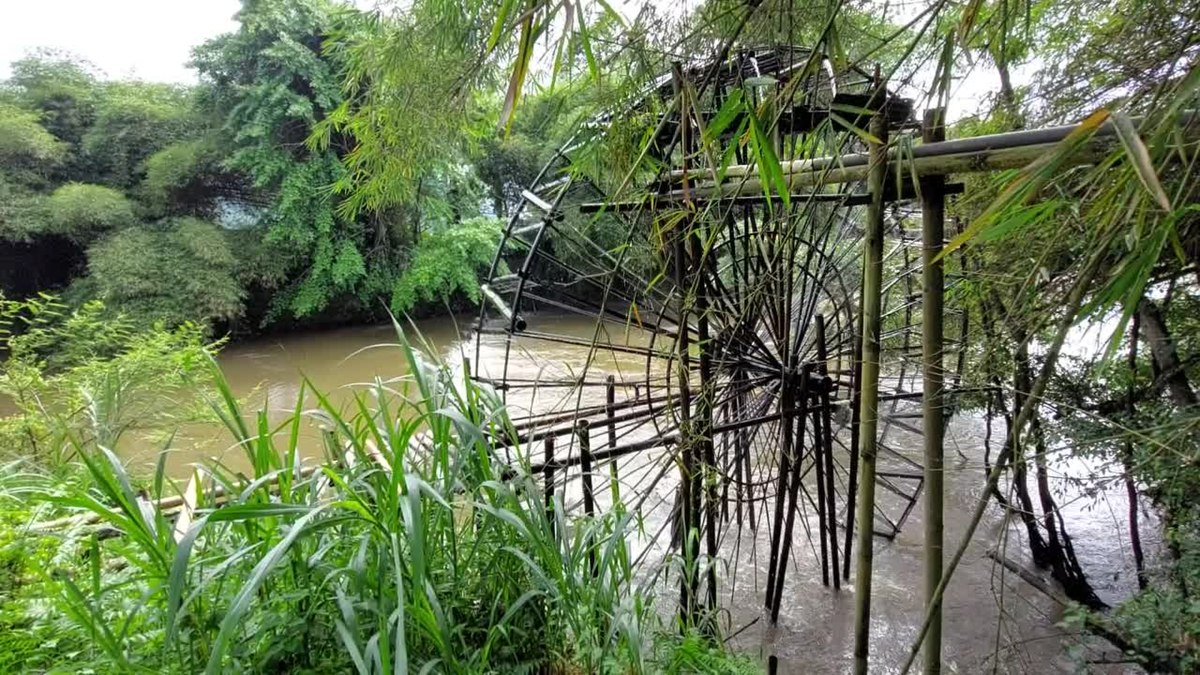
(28, 152)
(61, 88)
(271, 83)
(446, 264)
(182, 271)
(133, 121)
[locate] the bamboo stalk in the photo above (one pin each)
(868, 404)
(689, 488)
(933, 231)
(584, 434)
(1074, 302)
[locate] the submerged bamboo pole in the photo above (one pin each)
(871, 310)
(933, 233)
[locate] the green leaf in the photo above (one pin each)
(1140, 156)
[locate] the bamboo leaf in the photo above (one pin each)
(1028, 180)
(1140, 156)
(585, 40)
(520, 68)
(729, 111)
(770, 171)
(498, 28)
(856, 130)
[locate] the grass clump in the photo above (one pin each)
(413, 548)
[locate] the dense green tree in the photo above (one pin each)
(28, 152)
(61, 89)
(446, 264)
(181, 271)
(274, 84)
(190, 178)
(133, 121)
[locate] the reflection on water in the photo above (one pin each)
(987, 611)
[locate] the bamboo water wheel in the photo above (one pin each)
(710, 334)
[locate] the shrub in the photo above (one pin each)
(183, 272)
(446, 265)
(81, 212)
(24, 144)
(89, 374)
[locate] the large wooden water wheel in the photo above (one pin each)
(709, 337)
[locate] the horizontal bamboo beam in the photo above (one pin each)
(993, 152)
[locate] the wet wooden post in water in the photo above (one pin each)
(610, 408)
(548, 476)
(818, 459)
(786, 453)
(933, 232)
(872, 290)
(610, 402)
(825, 451)
(583, 432)
(795, 467)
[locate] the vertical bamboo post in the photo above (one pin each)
(689, 473)
(584, 433)
(819, 468)
(872, 291)
(610, 401)
(548, 476)
(933, 232)
(855, 424)
(825, 452)
(706, 449)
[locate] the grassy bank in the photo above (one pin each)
(414, 548)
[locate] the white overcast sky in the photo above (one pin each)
(146, 39)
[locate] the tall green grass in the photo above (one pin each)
(414, 548)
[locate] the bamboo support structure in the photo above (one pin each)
(794, 486)
(689, 469)
(868, 404)
(979, 154)
(583, 433)
(933, 232)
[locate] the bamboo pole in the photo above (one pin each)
(825, 451)
(548, 476)
(871, 299)
(933, 232)
(973, 154)
(584, 433)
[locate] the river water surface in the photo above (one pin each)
(994, 622)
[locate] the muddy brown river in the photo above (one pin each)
(994, 622)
